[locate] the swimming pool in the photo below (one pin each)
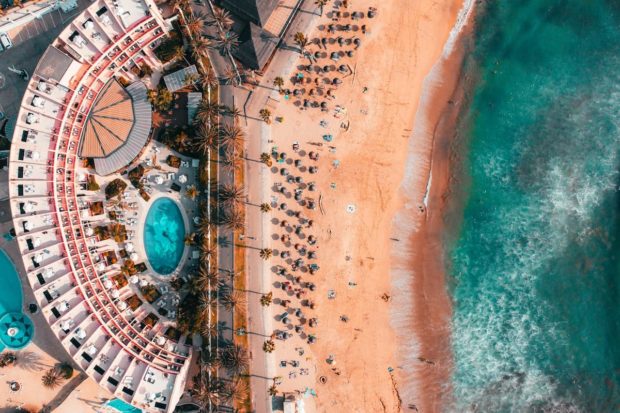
(164, 235)
(11, 316)
(122, 406)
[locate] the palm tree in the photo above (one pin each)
(206, 301)
(211, 330)
(232, 159)
(265, 253)
(265, 207)
(222, 17)
(190, 238)
(231, 77)
(233, 112)
(210, 359)
(206, 138)
(232, 300)
(207, 111)
(228, 42)
(204, 225)
(265, 115)
(52, 378)
(265, 158)
(208, 79)
(301, 40)
(232, 136)
(238, 389)
(321, 4)
(234, 219)
(180, 4)
(208, 390)
(65, 369)
(231, 194)
(265, 299)
(278, 82)
(235, 359)
(191, 192)
(179, 53)
(194, 24)
(205, 280)
(199, 47)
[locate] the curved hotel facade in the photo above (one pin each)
(75, 108)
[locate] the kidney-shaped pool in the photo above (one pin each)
(164, 235)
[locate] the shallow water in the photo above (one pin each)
(534, 269)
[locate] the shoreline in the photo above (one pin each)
(421, 313)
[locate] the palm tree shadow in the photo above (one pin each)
(29, 361)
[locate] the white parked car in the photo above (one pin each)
(5, 41)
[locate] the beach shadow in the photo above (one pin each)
(30, 361)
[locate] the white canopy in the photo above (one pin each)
(81, 176)
(39, 257)
(41, 86)
(37, 241)
(100, 266)
(161, 340)
(80, 333)
(89, 232)
(133, 256)
(134, 279)
(66, 325)
(122, 305)
(32, 118)
(28, 207)
(64, 306)
(35, 155)
(115, 294)
(92, 350)
(143, 283)
(28, 225)
(129, 247)
(48, 272)
(182, 178)
(159, 180)
(107, 284)
(89, 24)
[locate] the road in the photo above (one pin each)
(258, 182)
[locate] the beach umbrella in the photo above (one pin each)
(143, 283)
(35, 155)
(28, 207)
(89, 24)
(100, 266)
(81, 176)
(80, 333)
(161, 340)
(133, 256)
(66, 325)
(108, 284)
(48, 273)
(115, 294)
(64, 306)
(92, 350)
(129, 247)
(38, 258)
(37, 242)
(122, 305)
(89, 232)
(134, 279)
(159, 180)
(182, 178)
(32, 118)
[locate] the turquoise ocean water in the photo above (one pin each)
(534, 267)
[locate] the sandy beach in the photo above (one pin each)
(359, 191)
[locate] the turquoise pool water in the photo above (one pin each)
(122, 406)
(164, 235)
(11, 307)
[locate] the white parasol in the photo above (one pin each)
(115, 294)
(48, 272)
(133, 256)
(129, 247)
(38, 258)
(63, 306)
(89, 232)
(28, 207)
(182, 178)
(122, 305)
(134, 279)
(35, 155)
(81, 334)
(143, 283)
(37, 242)
(107, 284)
(161, 340)
(100, 266)
(28, 226)
(159, 180)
